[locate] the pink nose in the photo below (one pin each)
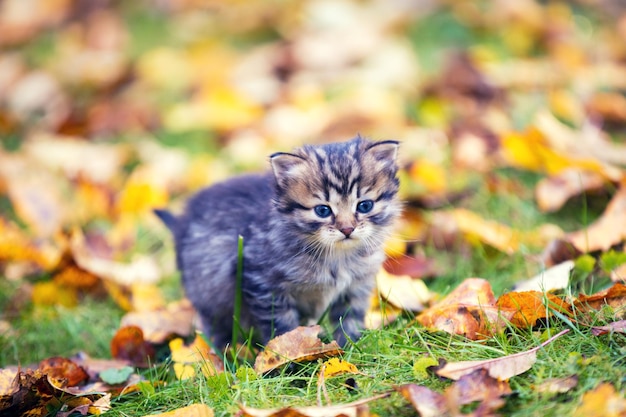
(347, 231)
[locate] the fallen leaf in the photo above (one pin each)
(478, 386)
(501, 368)
(159, 325)
(187, 358)
(608, 230)
(403, 291)
(141, 269)
(529, 306)
(557, 385)
(615, 327)
(128, 344)
(337, 366)
(553, 192)
(602, 401)
(614, 297)
(469, 310)
(553, 278)
(358, 408)
(413, 266)
(64, 370)
(427, 402)
(298, 345)
(50, 293)
(116, 376)
(194, 410)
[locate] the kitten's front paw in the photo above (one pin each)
(343, 335)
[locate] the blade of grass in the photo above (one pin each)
(237, 308)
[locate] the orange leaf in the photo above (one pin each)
(614, 297)
(65, 370)
(128, 343)
(529, 306)
(298, 345)
(469, 310)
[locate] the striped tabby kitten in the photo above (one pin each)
(313, 233)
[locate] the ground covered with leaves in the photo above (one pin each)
(504, 288)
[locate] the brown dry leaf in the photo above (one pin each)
(159, 325)
(354, 409)
(530, 306)
(129, 344)
(298, 345)
(477, 386)
(427, 402)
(32, 393)
(557, 385)
(469, 310)
(403, 291)
(500, 368)
(606, 231)
(551, 193)
(615, 327)
(141, 269)
(194, 410)
(413, 266)
(65, 372)
(603, 401)
(186, 358)
(614, 297)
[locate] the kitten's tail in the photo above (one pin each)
(168, 219)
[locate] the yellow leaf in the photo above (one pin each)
(49, 293)
(199, 353)
(146, 297)
(490, 232)
(140, 196)
(430, 175)
(337, 366)
(603, 401)
(403, 291)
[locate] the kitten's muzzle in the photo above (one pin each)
(347, 231)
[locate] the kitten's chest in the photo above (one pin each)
(324, 286)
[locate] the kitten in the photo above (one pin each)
(313, 232)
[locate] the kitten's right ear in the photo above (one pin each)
(286, 166)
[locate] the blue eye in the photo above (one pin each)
(322, 210)
(365, 206)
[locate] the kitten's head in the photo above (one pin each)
(339, 196)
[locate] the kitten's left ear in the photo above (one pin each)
(384, 152)
(286, 166)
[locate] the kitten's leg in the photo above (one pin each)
(347, 314)
(216, 329)
(274, 316)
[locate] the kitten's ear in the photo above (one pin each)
(287, 165)
(383, 154)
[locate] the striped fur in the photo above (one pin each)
(297, 264)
